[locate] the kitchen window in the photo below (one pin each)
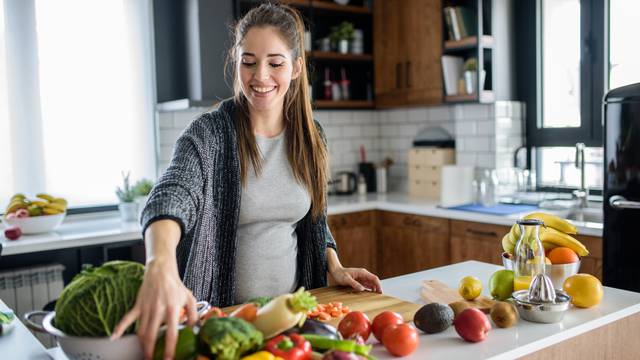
(76, 98)
(565, 79)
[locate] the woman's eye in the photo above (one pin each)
(276, 65)
(246, 63)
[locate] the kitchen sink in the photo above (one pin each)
(589, 214)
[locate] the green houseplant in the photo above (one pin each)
(142, 189)
(470, 73)
(126, 194)
(341, 35)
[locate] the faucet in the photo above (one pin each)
(582, 193)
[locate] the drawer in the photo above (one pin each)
(431, 156)
(425, 172)
(345, 221)
(428, 223)
(425, 188)
(480, 231)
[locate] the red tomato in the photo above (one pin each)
(355, 323)
(384, 319)
(400, 340)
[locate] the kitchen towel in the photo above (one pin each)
(498, 209)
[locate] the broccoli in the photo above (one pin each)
(228, 338)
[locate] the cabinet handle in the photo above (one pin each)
(407, 72)
(398, 76)
(482, 233)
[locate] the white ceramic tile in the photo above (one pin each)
(487, 127)
(182, 119)
(371, 131)
(169, 136)
(408, 130)
(323, 116)
(342, 146)
(389, 130)
(466, 127)
(398, 116)
(341, 117)
(466, 158)
(477, 143)
(165, 153)
(362, 117)
(443, 112)
(486, 160)
(332, 132)
(418, 115)
(351, 131)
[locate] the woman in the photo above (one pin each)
(242, 206)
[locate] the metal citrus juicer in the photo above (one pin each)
(540, 302)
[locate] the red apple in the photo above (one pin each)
(12, 233)
(472, 325)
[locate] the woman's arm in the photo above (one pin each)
(358, 278)
(162, 294)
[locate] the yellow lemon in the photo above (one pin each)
(470, 287)
(585, 290)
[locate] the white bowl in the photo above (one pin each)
(36, 224)
(125, 348)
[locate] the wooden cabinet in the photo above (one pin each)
(410, 243)
(592, 264)
(476, 241)
(407, 50)
(356, 239)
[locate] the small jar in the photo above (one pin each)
(362, 185)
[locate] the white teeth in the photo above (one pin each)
(262, 89)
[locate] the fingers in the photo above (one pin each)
(171, 335)
(125, 322)
(370, 280)
(192, 310)
(151, 332)
(354, 283)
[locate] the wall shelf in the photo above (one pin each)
(485, 97)
(332, 55)
(470, 42)
(343, 104)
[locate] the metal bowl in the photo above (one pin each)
(558, 273)
(542, 312)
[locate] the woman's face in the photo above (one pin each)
(266, 68)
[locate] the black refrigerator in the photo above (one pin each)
(621, 262)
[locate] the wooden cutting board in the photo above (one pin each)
(436, 291)
(369, 303)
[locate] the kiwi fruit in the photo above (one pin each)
(433, 318)
(504, 314)
(458, 307)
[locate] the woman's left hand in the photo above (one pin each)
(358, 278)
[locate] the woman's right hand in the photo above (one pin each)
(161, 297)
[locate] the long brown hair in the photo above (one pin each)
(306, 149)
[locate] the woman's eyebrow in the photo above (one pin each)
(268, 55)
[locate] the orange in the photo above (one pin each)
(562, 255)
(585, 290)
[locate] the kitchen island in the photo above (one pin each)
(607, 331)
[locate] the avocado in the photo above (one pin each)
(433, 318)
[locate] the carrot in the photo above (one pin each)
(246, 312)
(335, 313)
(324, 316)
(345, 310)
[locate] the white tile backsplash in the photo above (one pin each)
(486, 134)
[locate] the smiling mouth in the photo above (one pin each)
(263, 89)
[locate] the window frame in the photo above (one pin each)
(594, 55)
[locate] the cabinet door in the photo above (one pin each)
(355, 236)
(388, 52)
(411, 243)
(422, 68)
(476, 241)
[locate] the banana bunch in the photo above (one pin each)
(556, 232)
(44, 204)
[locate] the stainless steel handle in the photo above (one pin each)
(398, 76)
(407, 67)
(619, 202)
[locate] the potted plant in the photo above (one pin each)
(128, 207)
(341, 35)
(142, 188)
(470, 74)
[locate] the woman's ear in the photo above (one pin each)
(297, 68)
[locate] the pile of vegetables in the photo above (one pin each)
(97, 298)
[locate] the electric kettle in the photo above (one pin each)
(345, 183)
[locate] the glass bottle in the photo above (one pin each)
(529, 254)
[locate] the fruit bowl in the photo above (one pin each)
(36, 224)
(556, 272)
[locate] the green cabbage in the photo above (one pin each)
(97, 298)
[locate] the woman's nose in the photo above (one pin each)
(262, 73)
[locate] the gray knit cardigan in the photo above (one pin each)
(201, 191)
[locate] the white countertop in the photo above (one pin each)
(519, 340)
(400, 202)
(106, 228)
